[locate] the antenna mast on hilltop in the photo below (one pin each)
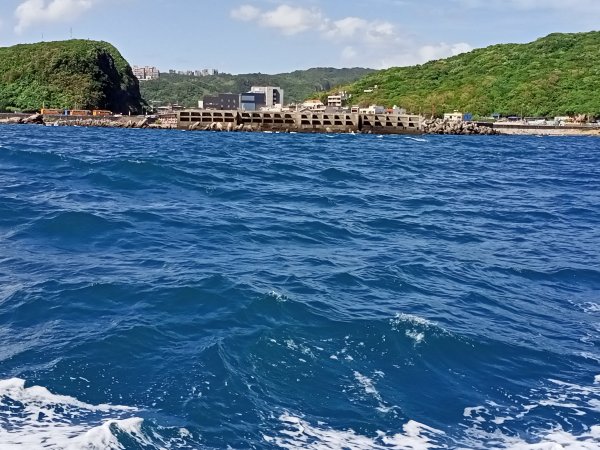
(71, 31)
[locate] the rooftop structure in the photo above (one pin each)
(313, 105)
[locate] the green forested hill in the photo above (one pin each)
(555, 75)
(67, 74)
(187, 90)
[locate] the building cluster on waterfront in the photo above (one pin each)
(257, 98)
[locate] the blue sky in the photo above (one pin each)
(272, 36)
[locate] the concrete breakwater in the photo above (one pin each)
(440, 126)
(304, 122)
(83, 121)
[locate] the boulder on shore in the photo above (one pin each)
(37, 119)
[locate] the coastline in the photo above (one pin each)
(428, 127)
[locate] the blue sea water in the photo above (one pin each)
(177, 290)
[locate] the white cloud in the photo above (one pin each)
(409, 55)
(292, 20)
(289, 20)
(246, 13)
(33, 12)
(443, 50)
(373, 43)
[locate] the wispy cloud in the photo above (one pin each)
(33, 12)
(376, 43)
(563, 6)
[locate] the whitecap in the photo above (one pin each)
(416, 326)
(299, 434)
(486, 426)
(278, 296)
(34, 418)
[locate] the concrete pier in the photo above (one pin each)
(305, 121)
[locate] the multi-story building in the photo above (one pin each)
(227, 102)
(335, 101)
(146, 73)
(273, 95)
(252, 101)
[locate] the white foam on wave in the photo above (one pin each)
(591, 307)
(34, 418)
(368, 386)
(278, 296)
(489, 426)
(416, 326)
(299, 434)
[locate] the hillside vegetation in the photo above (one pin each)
(187, 90)
(555, 75)
(67, 74)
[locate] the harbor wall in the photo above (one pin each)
(546, 130)
(304, 121)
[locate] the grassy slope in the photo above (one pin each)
(67, 74)
(298, 85)
(555, 75)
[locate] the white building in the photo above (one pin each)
(313, 105)
(146, 73)
(455, 116)
(337, 100)
(373, 109)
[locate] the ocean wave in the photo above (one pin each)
(34, 418)
(72, 226)
(299, 434)
(562, 403)
(216, 281)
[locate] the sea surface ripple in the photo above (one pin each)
(175, 290)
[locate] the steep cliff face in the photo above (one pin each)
(75, 74)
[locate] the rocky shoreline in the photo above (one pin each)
(100, 122)
(441, 126)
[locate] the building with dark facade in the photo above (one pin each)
(223, 102)
(253, 101)
(273, 95)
